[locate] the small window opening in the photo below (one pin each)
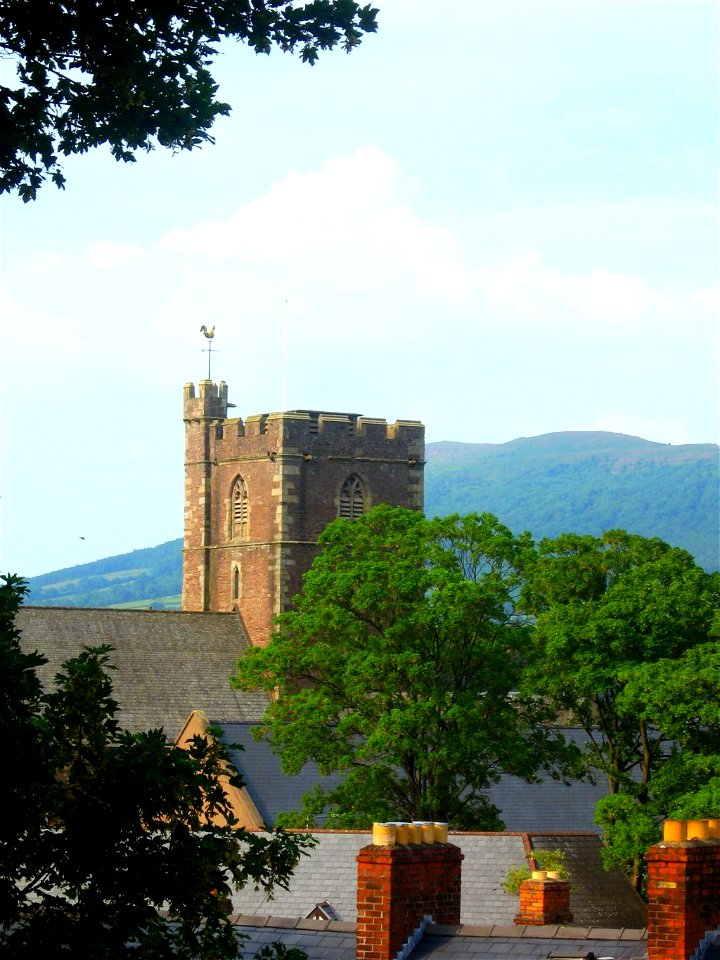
(352, 499)
(239, 507)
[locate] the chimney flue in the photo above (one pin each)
(404, 886)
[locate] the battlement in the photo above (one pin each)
(309, 432)
(211, 403)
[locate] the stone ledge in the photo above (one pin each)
(572, 933)
(550, 931)
(248, 920)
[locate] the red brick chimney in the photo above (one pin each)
(683, 888)
(408, 876)
(544, 900)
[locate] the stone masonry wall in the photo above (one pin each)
(293, 465)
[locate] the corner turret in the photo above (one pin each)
(211, 402)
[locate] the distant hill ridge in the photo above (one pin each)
(579, 481)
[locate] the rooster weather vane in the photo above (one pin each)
(208, 334)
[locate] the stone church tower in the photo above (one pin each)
(259, 491)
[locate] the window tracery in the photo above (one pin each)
(352, 498)
(239, 510)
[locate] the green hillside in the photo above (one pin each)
(587, 483)
(143, 578)
(583, 482)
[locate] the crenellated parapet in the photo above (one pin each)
(314, 433)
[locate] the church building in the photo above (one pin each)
(260, 490)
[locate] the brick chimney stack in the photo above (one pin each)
(543, 900)
(683, 888)
(409, 876)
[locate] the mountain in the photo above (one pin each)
(584, 482)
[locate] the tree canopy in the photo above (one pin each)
(105, 848)
(135, 74)
(617, 617)
(398, 668)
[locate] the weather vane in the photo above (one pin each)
(209, 334)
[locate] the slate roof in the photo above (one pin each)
(549, 805)
(167, 663)
(336, 941)
(598, 897)
(271, 790)
(329, 872)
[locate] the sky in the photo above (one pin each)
(499, 218)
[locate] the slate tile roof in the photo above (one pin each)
(596, 895)
(549, 805)
(318, 944)
(336, 941)
(329, 872)
(167, 663)
(272, 791)
(530, 943)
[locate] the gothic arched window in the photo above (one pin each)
(239, 510)
(352, 498)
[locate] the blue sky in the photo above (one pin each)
(500, 218)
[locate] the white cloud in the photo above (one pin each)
(335, 252)
(109, 255)
(348, 227)
(529, 289)
(350, 230)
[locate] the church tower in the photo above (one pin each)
(259, 491)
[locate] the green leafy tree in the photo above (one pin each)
(609, 609)
(105, 851)
(135, 74)
(398, 668)
(23, 754)
(681, 696)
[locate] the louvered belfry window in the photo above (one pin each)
(239, 507)
(352, 498)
